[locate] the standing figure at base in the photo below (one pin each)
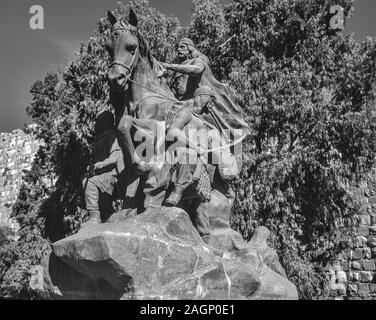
(108, 165)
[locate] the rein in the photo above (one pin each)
(154, 91)
(131, 65)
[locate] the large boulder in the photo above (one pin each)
(158, 255)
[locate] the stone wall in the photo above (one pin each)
(17, 151)
(353, 276)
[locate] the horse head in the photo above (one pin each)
(124, 50)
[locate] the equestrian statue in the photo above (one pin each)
(180, 140)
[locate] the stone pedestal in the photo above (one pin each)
(158, 255)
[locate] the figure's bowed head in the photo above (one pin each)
(122, 47)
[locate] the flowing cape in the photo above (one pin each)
(226, 111)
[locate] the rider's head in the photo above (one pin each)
(203, 95)
(186, 49)
(105, 121)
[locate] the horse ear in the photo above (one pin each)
(111, 17)
(132, 18)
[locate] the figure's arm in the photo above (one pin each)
(203, 106)
(193, 106)
(197, 110)
(111, 160)
(194, 69)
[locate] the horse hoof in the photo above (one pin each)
(142, 169)
(173, 199)
(169, 205)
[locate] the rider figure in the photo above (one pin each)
(189, 72)
(198, 100)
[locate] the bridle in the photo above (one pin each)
(132, 64)
(129, 67)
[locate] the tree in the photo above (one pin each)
(5, 233)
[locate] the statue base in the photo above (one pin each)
(160, 255)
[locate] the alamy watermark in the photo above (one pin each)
(37, 19)
(207, 145)
(337, 21)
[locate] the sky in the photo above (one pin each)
(26, 55)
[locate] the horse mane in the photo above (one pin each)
(145, 49)
(145, 52)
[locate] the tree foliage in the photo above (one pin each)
(308, 95)
(5, 234)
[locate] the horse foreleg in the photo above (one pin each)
(125, 139)
(124, 132)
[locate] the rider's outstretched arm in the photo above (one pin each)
(194, 69)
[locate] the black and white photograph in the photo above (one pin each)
(184, 156)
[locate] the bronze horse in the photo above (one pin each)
(140, 98)
(136, 92)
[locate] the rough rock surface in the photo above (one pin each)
(159, 255)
